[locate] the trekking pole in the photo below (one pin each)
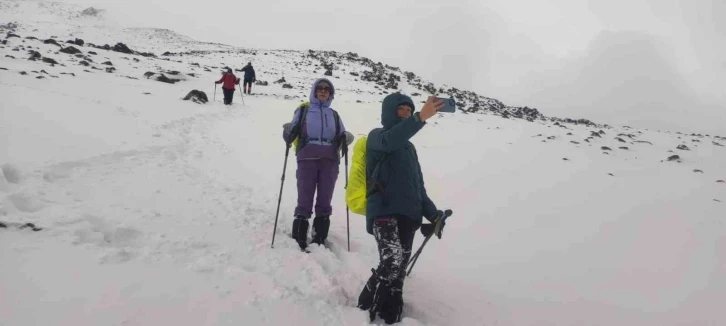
(241, 94)
(279, 199)
(437, 229)
(215, 92)
(347, 209)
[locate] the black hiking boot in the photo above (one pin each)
(321, 225)
(300, 231)
(365, 299)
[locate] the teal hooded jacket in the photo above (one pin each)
(397, 188)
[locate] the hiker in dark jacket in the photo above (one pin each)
(249, 78)
(321, 136)
(228, 81)
(397, 201)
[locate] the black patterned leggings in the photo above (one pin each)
(394, 236)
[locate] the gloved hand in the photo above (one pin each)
(349, 138)
(286, 131)
(428, 229)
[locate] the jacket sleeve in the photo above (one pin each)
(429, 209)
(220, 80)
(289, 128)
(390, 140)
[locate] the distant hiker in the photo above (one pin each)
(249, 78)
(396, 201)
(228, 81)
(318, 134)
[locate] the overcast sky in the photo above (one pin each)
(650, 63)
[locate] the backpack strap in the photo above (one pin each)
(373, 184)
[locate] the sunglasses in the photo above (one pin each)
(323, 88)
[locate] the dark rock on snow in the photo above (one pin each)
(51, 61)
(683, 147)
(70, 50)
(165, 79)
(674, 158)
(197, 96)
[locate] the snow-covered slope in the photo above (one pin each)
(157, 210)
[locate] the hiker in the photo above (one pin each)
(320, 136)
(229, 80)
(396, 201)
(249, 78)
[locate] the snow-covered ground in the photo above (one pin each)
(158, 211)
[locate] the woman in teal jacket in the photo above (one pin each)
(397, 201)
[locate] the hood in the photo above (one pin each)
(389, 108)
(314, 102)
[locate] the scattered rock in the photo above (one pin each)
(683, 147)
(716, 200)
(569, 134)
(674, 158)
(173, 72)
(574, 142)
(698, 171)
(3, 68)
(34, 55)
(551, 137)
(280, 81)
(51, 41)
(610, 174)
(165, 79)
(595, 134)
(84, 63)
(620, 140)
(79, 42)
(720, 181)
(328, 72)
(9, 56)
(146, 93)
(70, 50)
(601, 132)
(110, 69)
(605, 148)
(353, 73)
(717, 144)
(197, 96)
(261, 83)
(92, 52)
(11, 35)
(108, 63)
(539, 135)
(68, 73)
(359, 101)
(287, 86)
(644, 142)
(51, 61)
(23, 73)
(148, 74)
(624, 147)
(565, 159)
(39, 77)
(90, 11)
(31, 38)
(120, 47)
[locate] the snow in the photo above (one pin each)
(160, 211)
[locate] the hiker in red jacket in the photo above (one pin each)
(228, 81)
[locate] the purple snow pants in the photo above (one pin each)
(313, 175)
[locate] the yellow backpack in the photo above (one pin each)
(356, 192)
